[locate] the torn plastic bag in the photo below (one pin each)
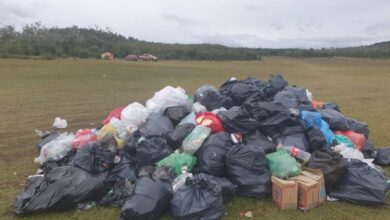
(256, 138)
(332, 164)
(82, 138)
(167, 97)
(355, 138)
(157, 125)
(383, 156)
(118, 184)
(178, 161)
(56, 149)
(94, 158)
(149, 199)
(286, 130)
(246, 166)
(46, 138)
(209, 120)
(316, 139)
(282, 165)
(237, 119)
(150, 150)
(264, 110)
(358, 127)
(176, 113)
(134, 115)
(211, 156)
(211, 98)
(195, 139)
(336, 121)
(314, 118)
(115, 113)
(176, 137)
(362, 185)
(61, 189)
(199, 199)
(278, 82)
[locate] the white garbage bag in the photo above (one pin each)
(134, 115)
(60, 123)
(167, 97)
(56, 149)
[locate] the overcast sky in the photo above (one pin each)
(256, 23)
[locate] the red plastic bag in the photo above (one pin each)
(317, 104)
(356, 138)
(115, 113)
(209, 120)
(82, 138)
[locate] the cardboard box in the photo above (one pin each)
(284, 193)
(318, 176)
(308, 192)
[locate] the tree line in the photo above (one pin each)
(36, 40)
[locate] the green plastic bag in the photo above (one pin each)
(282, 165)
(177, 161)
(341, 139)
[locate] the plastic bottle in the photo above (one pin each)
(298, 153)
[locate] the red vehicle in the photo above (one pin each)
(131, 57)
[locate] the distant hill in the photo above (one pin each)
(37, 40)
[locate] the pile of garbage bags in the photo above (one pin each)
(188, 155)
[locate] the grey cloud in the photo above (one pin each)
(277, 26)
(185, 21)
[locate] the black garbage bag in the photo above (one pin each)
(150, 150)
(300, 92)
(362, 185)
(237, 119)
(286, 130)
(157, 125)
(383, 156)
(211, 155)
(61, 189)
(256, 138)
(239, 91)
(199, 199)
(131, 143)
(263, 110)
(211, 98)
(47, 138)
(287, 99)
(246, 166)
(331, 105)
(125, 169)
(316, 139)
(358, 127)
(228, 189)
(65, 161)
(368, 149)
(176, 113)
(278, 82)
(332, 164)
(94, 158)
(336, 121)
(176, 137)
(149, 199)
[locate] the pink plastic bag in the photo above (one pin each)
(82, 138)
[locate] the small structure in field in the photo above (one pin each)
(148, 57)
(107, 56)
(131, 57)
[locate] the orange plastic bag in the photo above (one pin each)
(317, 104)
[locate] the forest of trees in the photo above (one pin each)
(35, 40)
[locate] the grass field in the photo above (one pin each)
(33, 92)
